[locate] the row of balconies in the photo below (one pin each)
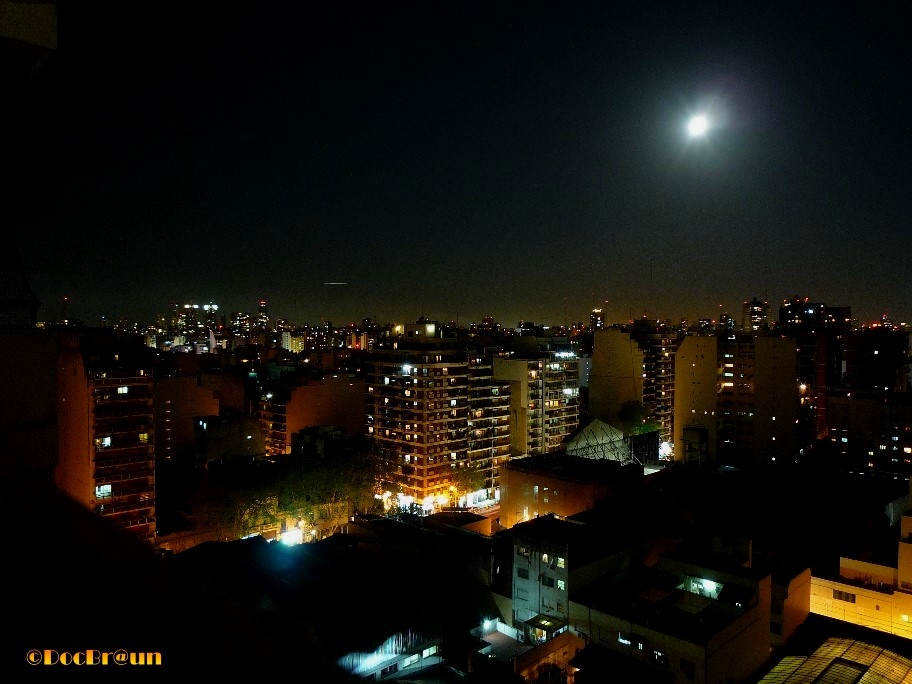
(108, 460)
(121, 409)
(109, 478)
(120, 453)
(106, 509)
(411, 394)
(136, 397)
(488, 416)
(148, 522)
(140, 490)
(488, 433)
(120, 376)
(445, 441)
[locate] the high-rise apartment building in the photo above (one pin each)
(819, 332)
(596, 319)
(290, 405)
(106, 429)
(417, 407)
(736, 399)
(488, 423)
(544, 400)
(262, 319)
(755, 315)
(636, 364)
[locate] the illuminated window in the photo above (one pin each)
(562, 585)
(560, 561)
(102, 442)
(103, 491)
(123, 389)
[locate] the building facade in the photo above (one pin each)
(106, 428)
(488, 426)
(544, 400)
(634, 365)
(870, 594)
(737, 399)
(417, 407)
(289, 406)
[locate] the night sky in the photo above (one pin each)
(524, 160)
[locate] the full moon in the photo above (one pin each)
(697, 126)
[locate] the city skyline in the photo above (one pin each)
(738, 318)
(525, 161)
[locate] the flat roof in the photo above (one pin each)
(652, 599)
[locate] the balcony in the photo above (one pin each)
(114, 454)
(139, 473)
(112, 509)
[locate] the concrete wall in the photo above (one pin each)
(337, 400)
(616, 375)
(696, 365)
(889, 612)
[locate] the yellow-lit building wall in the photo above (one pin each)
(616, 375)
(886, 611)
(74, 473)
(792, 606)
(696, 383)
(528, 495)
